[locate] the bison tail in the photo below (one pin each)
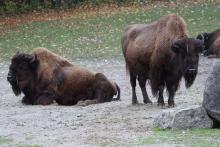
(155, 81)
(118, 93)
(127, 69)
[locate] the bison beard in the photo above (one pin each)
(162, 53)
(44, 77)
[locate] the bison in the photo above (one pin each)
(162, 53)
(212, 43)
(44, 77)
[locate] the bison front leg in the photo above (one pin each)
(26, 100)
(171, 90)
(160, 101)
(142, 84)
(44, 99)
(133, 86)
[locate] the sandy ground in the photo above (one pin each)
(95, 125)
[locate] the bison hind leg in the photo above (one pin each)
(44, 99)
(26, 101)
(171, 88)
(142, 83)
(133, 86)
(66, 100)
(160, 101)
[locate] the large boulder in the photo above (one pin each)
(183, 118)
(211, 98)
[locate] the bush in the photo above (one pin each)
(22, 6)
(10, 7)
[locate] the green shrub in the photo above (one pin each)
(23, 8)
(10, 7)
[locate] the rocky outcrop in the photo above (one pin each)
(211, 99)
(183, 118)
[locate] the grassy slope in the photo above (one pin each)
(99, 36)
(189, 138)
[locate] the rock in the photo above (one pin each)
(183, 118)
(211, 97)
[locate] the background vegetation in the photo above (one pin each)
(23, 6)
(99, 36)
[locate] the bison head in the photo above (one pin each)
(187, 51)
(21, 72)
(204, 37)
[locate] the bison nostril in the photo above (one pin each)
(192, 70)
(10, 77)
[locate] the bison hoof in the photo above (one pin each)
(171, 104)
(148, 101)
(162, 104)
(26, 101)
(43, 102)
(134, 102)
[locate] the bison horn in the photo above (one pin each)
(176, 45)
(34, 62)
(118, 93)
(33, 59)
(201, 37)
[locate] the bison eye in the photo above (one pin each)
(23, 66)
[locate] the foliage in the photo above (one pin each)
(99, 36)
(23, 6)
(11, 7)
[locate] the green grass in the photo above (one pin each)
(99, 37)
(10, 142)
(26, 145)
(189, 138)
(178, 138)
(4, 140)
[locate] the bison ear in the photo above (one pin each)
(177, 46)
(34, 62)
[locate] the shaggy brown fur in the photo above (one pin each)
(161, 52)
(212, 43)
(44, 77)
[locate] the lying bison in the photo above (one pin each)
(212, 43)
(44, 77)
(162, 53)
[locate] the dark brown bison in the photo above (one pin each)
(44, 77)
(162, 53)
(212, 43)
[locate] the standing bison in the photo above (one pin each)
(162, 53)
(212, 43)
(44, 77)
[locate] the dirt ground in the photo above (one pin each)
(95, 125)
